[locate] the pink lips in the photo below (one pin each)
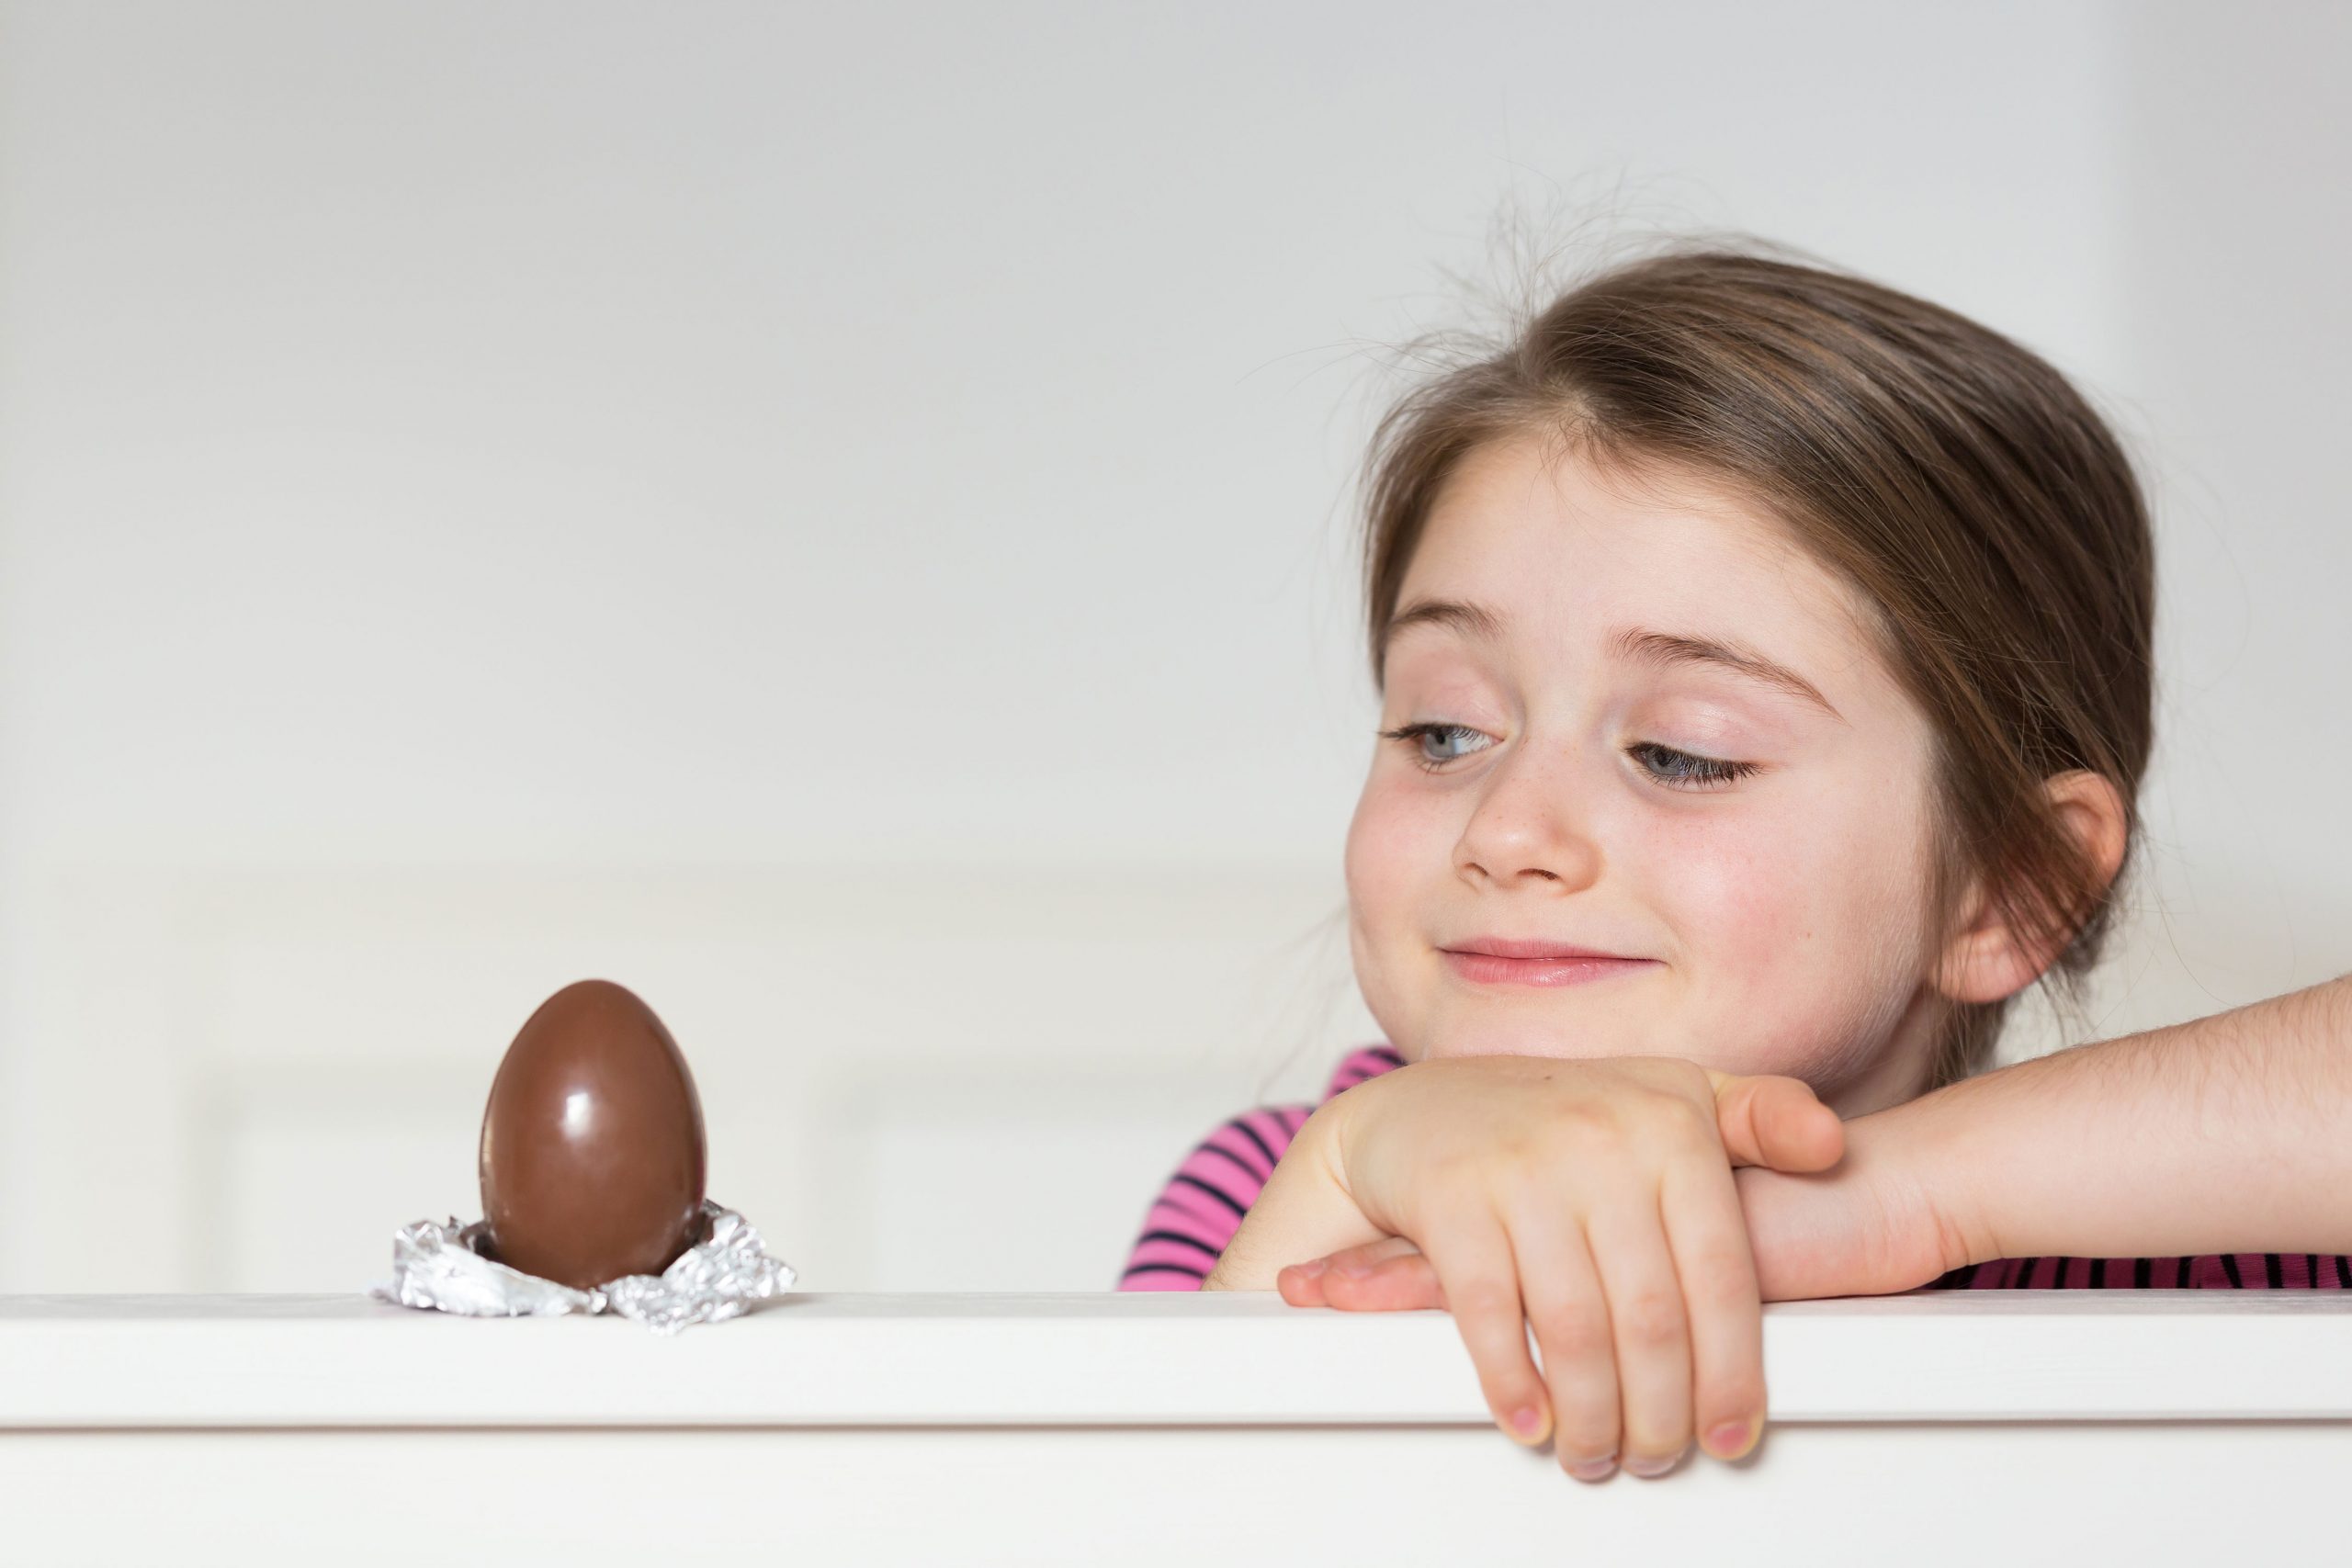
(1500, 960)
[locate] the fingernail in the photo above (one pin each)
(1731, 1439)
(1647, 1466)
(1594, 1469)
(1353, 1268)
(1310, 1270)
(1527, 1420)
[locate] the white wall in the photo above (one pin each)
(838, 517)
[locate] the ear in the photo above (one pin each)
(1986, 960)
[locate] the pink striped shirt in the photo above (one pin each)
(1190, 1224)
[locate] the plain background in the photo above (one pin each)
(840, 518)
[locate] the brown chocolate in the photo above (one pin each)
(592, 1144)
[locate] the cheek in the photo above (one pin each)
(1805, 921)
(1393, 840)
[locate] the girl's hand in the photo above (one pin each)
(1593, 1198)
(1867, 1228)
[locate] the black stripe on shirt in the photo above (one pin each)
(1249, 1132)
(1181, 1236)
(2230, 1267)
(1240, 1210)
(1237, 1163)
(1165, 1268)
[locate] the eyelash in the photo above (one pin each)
(1698, 773)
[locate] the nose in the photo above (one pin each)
(1526, 827)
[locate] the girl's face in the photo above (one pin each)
(1655, 729)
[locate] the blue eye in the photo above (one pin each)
(1412, 733)
(1678, 769)
(1685, 770)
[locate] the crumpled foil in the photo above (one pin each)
(440, 1267)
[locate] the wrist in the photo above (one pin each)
(1876, 1222)
(1303, 1213)
(1920, 1152)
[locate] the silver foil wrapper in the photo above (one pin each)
(441, 1268)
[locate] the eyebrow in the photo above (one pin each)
(1659, 649)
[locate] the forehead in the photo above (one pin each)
(1568, 552)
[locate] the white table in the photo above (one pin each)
(1105, 1429)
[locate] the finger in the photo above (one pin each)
(1648, 1325)
(1406, 1283)
(1570, 1318)
(1299, 1288)
(1473, 1259)
(1303, 1284)
(1777, 1122)
(1706, 1234)
(1367, 1256)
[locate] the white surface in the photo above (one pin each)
(1140, 1359)
(1146, 1428)
(1825, 1496)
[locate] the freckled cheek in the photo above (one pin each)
(1762, 905)
(1796, 927)
(1395, 846)
(1390, 846)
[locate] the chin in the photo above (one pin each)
(1520, 1038)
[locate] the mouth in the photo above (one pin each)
(1494, 961)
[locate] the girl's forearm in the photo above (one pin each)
(2229, 1133)
(1304, 1213)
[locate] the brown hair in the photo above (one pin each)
(1955, 479)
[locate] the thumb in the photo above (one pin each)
(1776, 1121)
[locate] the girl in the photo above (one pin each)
(1764, 657)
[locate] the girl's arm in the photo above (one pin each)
(2228, 1134)
(1766, 1125)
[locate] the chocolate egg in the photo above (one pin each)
(592, 1144)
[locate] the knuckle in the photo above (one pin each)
(1589, 1131)
(1484, 1297)
(1724, 1278)
(1692, 1078)
(1447, 1165)
(1651, 1319)
(1694, 1126)
(1484, 1301)
(1573, 1333)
